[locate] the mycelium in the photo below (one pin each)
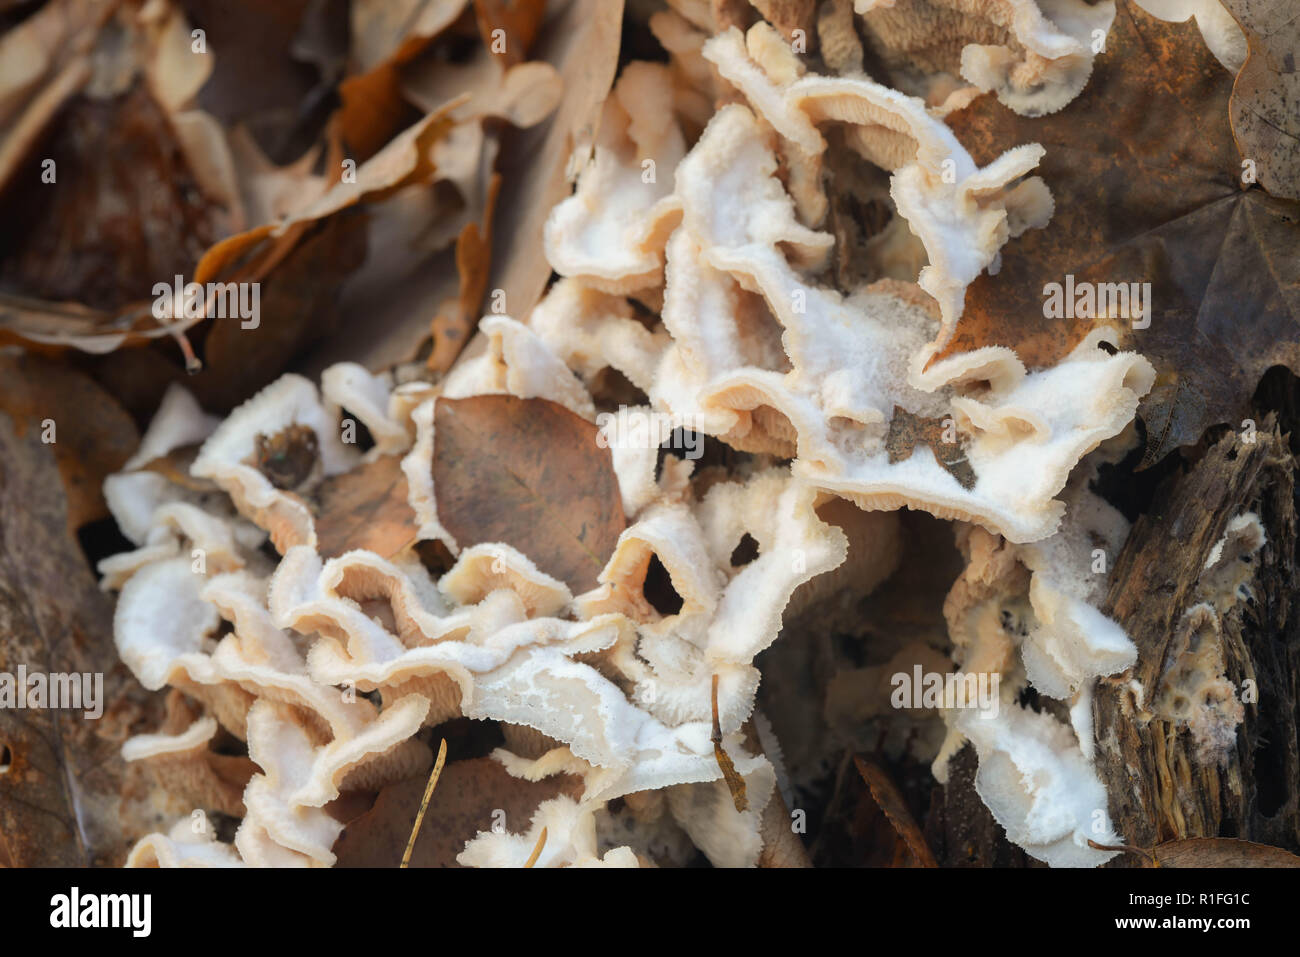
(710, 218)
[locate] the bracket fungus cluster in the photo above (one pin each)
(694, 268)
(624, 693)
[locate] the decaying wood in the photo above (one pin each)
(960, 830)
(1160, 789)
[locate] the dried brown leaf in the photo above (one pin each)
(44, 60)
(1146, 179)
(372, 110)
(124, 199)
(528, 473)
(393, 31)
(277, 100)
(581, 40)
(735, 783)
(518, 19)
(1265, 102)
(405, 160)
(1208, 852)
(1221, 852)
(890, 801)
(469, 792)
(91, 435)
(60, 788)
(365, 508)
(386, 35)
(298, 305)
(906, 430)
(788, 16)
(457, 318)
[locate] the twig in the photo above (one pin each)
(1127, 848)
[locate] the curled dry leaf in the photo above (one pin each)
(1265, 103)
(44, 60)
(527, 473)
(579, 39)
(1214, 852)
(272, 97)
(297, 305)
(240, 357)
(509, 27)
(890, 801)
(386, 35)
(1222, 852)
(125, 198)
(457, 317)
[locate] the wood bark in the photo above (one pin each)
(1161, 786)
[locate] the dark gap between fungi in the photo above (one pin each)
(658, 589)
(100, 539)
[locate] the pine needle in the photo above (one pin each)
(537, 851)
(424, 804)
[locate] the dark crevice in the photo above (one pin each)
(745, 551)
(1129, 490)
(100, 539)
(350, 427)
(466, 738)
(659, 591)
(224, 826)
(703, 450)
(1028, 698)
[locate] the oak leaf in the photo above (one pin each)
(1147, 184)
